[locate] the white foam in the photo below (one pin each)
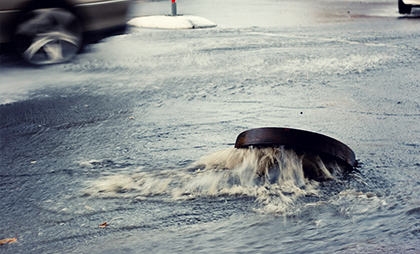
(274, 176)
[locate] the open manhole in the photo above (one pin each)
(314, 149)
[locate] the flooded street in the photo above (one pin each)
(126, 133)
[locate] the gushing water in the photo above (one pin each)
(276, 177)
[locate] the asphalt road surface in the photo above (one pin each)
(111, 135)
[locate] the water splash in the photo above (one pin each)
(275, 177)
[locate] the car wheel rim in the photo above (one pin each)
(48, 36)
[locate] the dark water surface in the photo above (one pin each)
(113, 135)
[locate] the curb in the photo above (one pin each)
(172, 22)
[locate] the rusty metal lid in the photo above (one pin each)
(296, 139)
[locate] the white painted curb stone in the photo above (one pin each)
(171, 22)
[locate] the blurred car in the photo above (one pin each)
(405, 6)
(54, 31)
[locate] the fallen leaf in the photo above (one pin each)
(103, 225)
(8, 240)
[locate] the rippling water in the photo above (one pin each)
(273, 176)
(223, 202)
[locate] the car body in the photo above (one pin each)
(412, 2)
(29, 24)
(405, 6)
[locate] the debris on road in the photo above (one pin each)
(8, 240)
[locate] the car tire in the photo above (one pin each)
(404, 8)
(48, 36)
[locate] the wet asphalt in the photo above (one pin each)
(155, 99)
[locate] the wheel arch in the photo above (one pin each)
(404, 8)
(40, 4)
